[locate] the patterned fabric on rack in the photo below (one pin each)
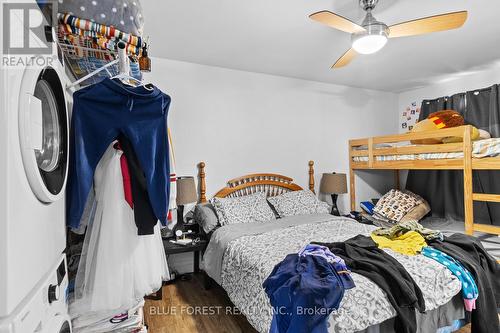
(101, 29)
(104, 37)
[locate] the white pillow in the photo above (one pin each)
(302, 202)
(245, 209)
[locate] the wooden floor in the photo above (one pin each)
(174, 313)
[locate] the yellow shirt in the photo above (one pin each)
(410, 243)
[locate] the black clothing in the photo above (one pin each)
(486, 272)
(145, 218)
(362, 256)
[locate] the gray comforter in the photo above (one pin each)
(241, 257)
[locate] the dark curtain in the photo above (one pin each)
(443, 189)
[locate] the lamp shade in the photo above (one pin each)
(333, 183)
(186, 191)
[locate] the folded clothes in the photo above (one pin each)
(469, 287)
(337, 262)
(409, 225)
(410, 243)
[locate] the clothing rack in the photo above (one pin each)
(122, 61)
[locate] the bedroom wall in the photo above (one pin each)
(241, 122)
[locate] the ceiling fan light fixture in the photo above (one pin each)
(368, 44)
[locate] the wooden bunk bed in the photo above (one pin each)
(367, 154)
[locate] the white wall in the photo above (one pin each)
(241, 122)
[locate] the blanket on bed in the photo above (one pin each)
(241, 258)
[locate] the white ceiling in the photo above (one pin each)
(277, 37)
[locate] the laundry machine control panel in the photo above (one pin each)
(44, 305)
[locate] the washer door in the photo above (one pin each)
(43, 130)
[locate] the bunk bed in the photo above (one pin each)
(393, 152)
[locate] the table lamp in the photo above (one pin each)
(334, 184)
(186, 194)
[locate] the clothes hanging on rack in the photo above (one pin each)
(127, 181)
(113, 274)
(100, 113)
(144, 217)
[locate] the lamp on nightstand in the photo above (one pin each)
(334, 184)
(186, 194)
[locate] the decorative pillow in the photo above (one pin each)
(395, 204)
(246, 209)
(302, 202)
(206, 217)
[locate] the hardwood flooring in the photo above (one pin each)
(185, 308)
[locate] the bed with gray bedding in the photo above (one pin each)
(240, 257)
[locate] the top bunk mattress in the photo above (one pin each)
(480, 149)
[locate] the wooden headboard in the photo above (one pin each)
(271, 183)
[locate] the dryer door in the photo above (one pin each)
(43, 129)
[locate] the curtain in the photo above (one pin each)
(443, 189)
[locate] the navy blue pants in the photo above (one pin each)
(100, 113)
(303, 291)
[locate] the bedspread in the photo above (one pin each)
(249, 259)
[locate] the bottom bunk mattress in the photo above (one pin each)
(241, 257)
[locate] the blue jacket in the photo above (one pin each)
(303, 291)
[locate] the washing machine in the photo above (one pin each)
(33, 172)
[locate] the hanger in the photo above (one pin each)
(123, 74)
(88, 76)
(126, 78)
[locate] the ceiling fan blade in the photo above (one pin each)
(345, 59)
(336, 21)
(428, 24)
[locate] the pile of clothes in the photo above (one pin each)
(317, 276)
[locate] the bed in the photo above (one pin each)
(240, 257)
(392, 152)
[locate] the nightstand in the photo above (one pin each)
(172, 248)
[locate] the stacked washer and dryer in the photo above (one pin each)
(34, 126)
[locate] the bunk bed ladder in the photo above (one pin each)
(470, 196)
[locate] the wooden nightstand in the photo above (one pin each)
(172, 248)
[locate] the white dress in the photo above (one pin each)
(117, 267)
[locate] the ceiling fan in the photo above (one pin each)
(371, 36)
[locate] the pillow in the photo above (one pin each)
(417, 213)
(246, 209)
(395, 204)
(302, 202)
(206, 217)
